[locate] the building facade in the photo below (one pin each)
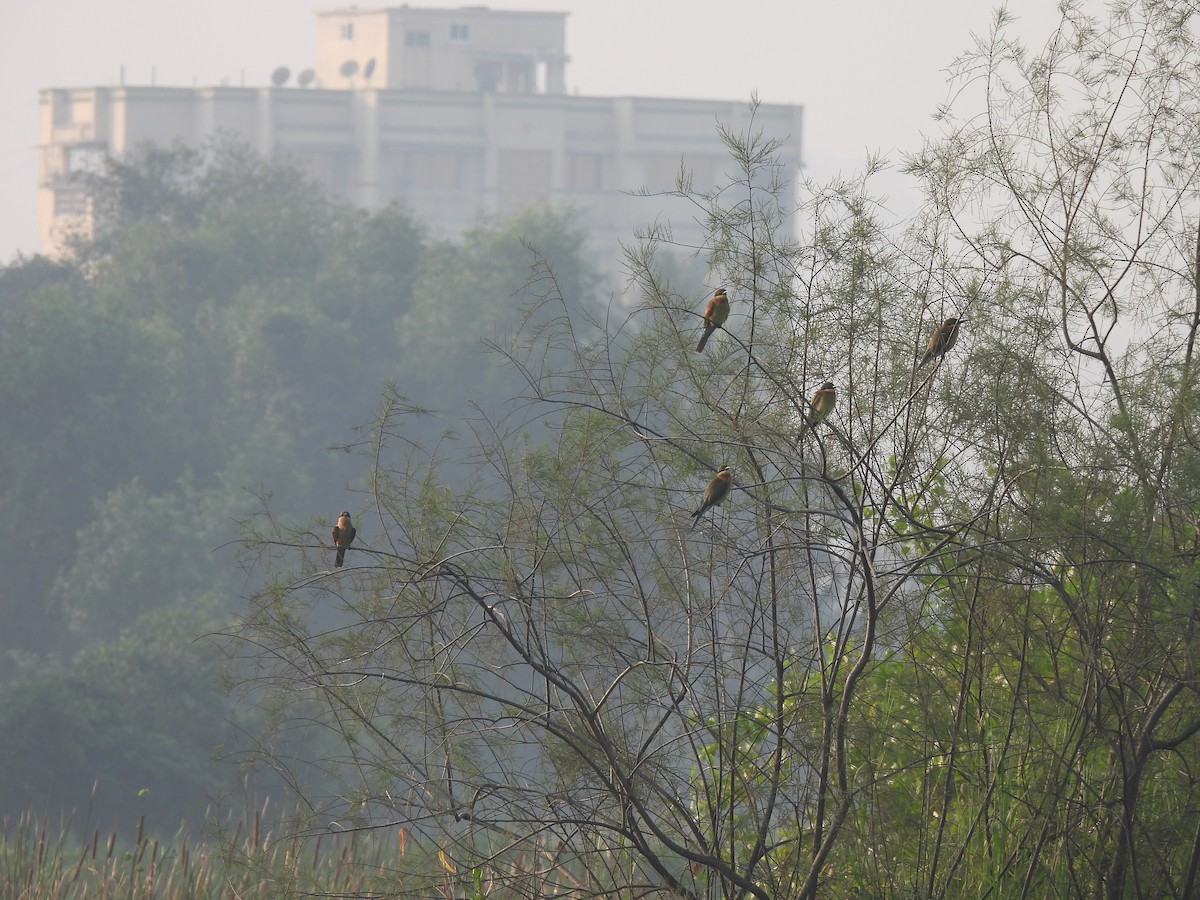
(455, 113)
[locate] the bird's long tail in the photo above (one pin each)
(704, 339)
(341, 557)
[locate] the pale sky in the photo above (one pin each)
(868, 73)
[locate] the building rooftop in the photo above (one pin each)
(456, 113)
(468, 48)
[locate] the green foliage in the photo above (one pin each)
(132, 724)
(88, 390)
(494, 279)
(942, 645)
(122, 573)
(226, 327)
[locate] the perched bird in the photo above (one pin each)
(821, 405)
(715, 314)
(941, 341)
(715, 493)
(343, 536)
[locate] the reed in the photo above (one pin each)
(39, 861)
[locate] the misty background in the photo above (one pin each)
(144, 420)
(869, 75)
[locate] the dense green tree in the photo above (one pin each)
(493, 279)
(88, 397)
(170, 558)
(132, 728)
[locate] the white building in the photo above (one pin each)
(453, 112)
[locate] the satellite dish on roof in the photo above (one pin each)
(369, 68)
(280, 76)
(305, 78)
(348, 68)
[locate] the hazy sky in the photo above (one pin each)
(868, 72)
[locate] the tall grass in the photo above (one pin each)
(38, 862)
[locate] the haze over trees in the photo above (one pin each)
(941, 644)
(228, 326)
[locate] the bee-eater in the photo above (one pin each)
(716, 311)
(343, 536)
(941, 341)
(715, 493)
(821, 405)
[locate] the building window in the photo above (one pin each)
(70, 200)
(585, 171)
(63, 108)
(699, 173)
(663, 171)
(460, 32)
(417, 38)
(702, 171)
(87, 159)
(428, 170)
(347, 31)
(488, 75)
(329, 167)
(524, 177)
